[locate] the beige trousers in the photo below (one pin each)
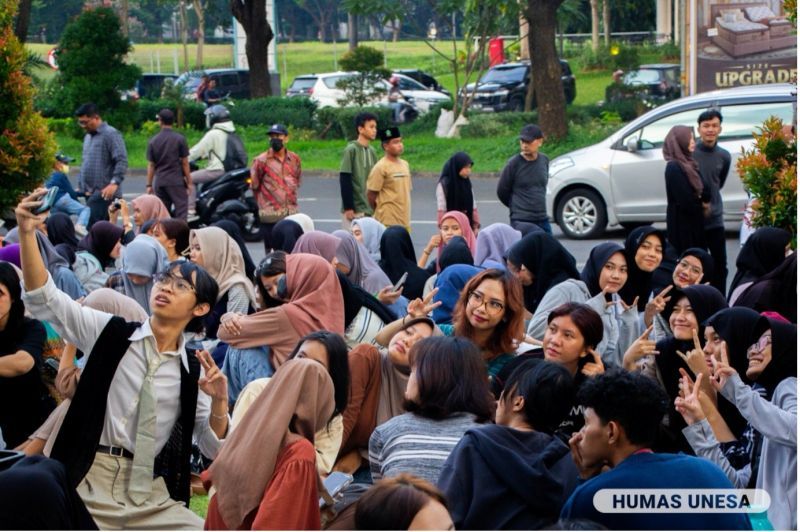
(104, 490)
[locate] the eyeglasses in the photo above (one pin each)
(694, 269)
(493, 306)
(762, 343)
(178, 283)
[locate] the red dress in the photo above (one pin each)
(291, 500)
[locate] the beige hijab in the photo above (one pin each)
(223, 259)
(298, 401)
(151, 207)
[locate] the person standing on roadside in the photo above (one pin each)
(275, 180)
(168, 174)
(523, 182)
(714, 163)
(389, 183)
(104, 162)
(357, 162)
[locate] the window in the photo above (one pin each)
(331, 81)
(228, 80)
(505, 75)
(642, 77)
(303, 83)
(653, 134)
(741, 121)
(408, 84)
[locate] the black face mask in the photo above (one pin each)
(276, 144)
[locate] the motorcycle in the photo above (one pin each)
(229, 197)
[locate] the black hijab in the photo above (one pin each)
(457, 189)
(397, 258)
(60, 230)
(236, 234)
(740, 328)
(594, 265)
(285, 235)
(355, 298)
(762, 252)
(640, 282)
(455, 252)
(775, 292)
(100, 241)
(784, 356)
(548, 261)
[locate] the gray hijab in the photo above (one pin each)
(493, 243)
(364, 271)
(372, 231)
(143, 256)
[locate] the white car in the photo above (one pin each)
(321, 88)
(620, 180)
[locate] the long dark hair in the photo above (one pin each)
(338, 366)
(16, 314)
(273, 264)
(451, 377)
(177, 229)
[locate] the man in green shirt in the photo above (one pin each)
(358, 159)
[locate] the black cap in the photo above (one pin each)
(166, 116)
(389, 133)
(62, 158)
(531, 132)
(278, 129)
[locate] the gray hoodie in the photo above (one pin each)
(213, 146)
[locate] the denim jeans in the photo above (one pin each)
(67, 205)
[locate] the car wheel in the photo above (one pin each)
(516, 104)
(581, 214)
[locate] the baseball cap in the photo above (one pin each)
(278, 129)
(62, 158)
(166, 116)
(531, 132)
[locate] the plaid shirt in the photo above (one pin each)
(274, 181)
(104, 161)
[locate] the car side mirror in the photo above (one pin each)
(632, 144)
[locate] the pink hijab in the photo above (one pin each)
(466, 232)
(151, 207)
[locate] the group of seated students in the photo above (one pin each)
(499, 387)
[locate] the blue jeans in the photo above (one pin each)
(67, 205)
(545, 224)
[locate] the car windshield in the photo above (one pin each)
(331, 81)
(303, 83)
(504, 75)
(642, 76)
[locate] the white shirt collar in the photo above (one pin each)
(145, 330)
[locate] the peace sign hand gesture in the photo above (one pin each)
(214, 383)
(695, 358)
(590, 369)
(634, 305)
(420, 308)
(656, 305)
(642, 347)
(688, 402)
(722, 370)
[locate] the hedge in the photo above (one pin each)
(339, 122)
(295, 113)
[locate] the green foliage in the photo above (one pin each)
(769, 174)
(262, 112)
(626, 58)
(363, 59)
(365, 87)
(27, 148)
(339, 122)
(92, 68)
(192, 112)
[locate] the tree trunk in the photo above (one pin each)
(352, 31)
(395, 30)
(184, 36)
(545, 69)
(595, 25)
(252, 15)
(199, 9)
(323, 27)
(23, 20)
(123, 16)
(607, 21)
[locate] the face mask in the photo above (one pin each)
(276, 144)
(281, 291)
(65, 169)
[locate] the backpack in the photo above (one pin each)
(235, 154)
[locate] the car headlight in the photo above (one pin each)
(500, 93)
(562, 163)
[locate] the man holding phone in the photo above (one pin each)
(104, 162)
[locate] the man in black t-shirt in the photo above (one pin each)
(168, 164)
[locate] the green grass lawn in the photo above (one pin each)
(199, 505)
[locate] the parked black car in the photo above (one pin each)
(662, 80)
(230, 82)
(503, 87)
(423, 77)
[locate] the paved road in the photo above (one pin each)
(319, 198)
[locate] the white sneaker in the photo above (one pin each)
(80, 230)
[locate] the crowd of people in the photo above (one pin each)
(344, 382)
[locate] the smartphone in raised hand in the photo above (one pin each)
(400, 282)
(47, 201)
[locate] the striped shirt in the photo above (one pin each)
(104, 161)
(417, 445)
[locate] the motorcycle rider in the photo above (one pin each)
(212, 147)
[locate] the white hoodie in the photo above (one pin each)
(212, 145)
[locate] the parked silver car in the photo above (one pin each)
(621, 179)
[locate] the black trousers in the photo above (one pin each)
(175, 198)
(266, 235)
(98, 207)
(715, 241)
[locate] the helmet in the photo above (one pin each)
(394, 80)
(216, 114)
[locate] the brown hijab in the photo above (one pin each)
(676, 148)
(298, 401)
(151, 207)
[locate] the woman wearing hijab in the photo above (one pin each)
(776, 291)
(173, 235)
(142, 259)
(764, 251)
(318, 243)
(450, 283)
(285, 235)
(685, 193)
(398, 258)
(10, 253)
(454, 190)
(368, 232)
(148, 207)
(353, 260)
(303, 220)
(311, 301)
(455, 252)
(236, 234)
(540, 262)
(453, 224)
(493, 244)
(59, 269)
(644, 251)
(603, 276)
(61, 232)
(265, 474)
(685, 312)
(96, 252)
